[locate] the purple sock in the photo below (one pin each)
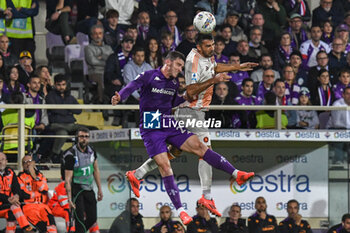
(172, 190)
(218, 161)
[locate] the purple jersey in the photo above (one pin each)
(338, 90)
(238, 78)
(158, 94)
(261, 91)
(222, 59)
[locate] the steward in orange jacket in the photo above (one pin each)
(35, 209)
(10, 197)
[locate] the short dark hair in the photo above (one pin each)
(32, 77)
(293, 201)
(296, 53)
(165, 34)
(128, 203)
(345, 216)
(344, 70)
(235, 205)
(321, 51)
(277, 81)
(225, 25)
(265, 55)
(219, 39)
(315, 26)
(321, 71)
(247, 80)
(173, 55)
(201, 37)
(59, 78)
(346, 88)
(137, 49)
(82, 129)
(112, 13)
(132, 26)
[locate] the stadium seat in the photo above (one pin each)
(93, 119)
(55, 52)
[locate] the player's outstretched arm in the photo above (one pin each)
(221, 67)
(193, 90)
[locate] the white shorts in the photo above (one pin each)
(183, 114)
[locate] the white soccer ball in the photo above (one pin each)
(204, 22)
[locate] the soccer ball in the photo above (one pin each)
(204, 22)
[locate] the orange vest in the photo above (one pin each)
(59, 197)
(37, 189)
(6, 181)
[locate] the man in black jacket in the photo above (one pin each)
(130, 220)
(234, 223)
(61, 120)
(293, 223)
(202, 222)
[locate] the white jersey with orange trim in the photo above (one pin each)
(199, 69)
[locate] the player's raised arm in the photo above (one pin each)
(221, 67)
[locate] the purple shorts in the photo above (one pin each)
(155, 140)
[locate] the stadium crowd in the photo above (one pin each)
(304, 59)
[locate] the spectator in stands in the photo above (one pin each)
(342, 32)
(32, 97)
(12, 84)
(144, 29)
(294, 222)
(167, 43)
(171, 19)
(243, 50)
(22, 38)
(189, 42)
(131, 31)
(230, 45)
(327, 10)
(265, 63)
(306, 119)
(299, 7)
(57, 19)
(34, 184)
(337, 57)
(135, 67)
(217, 7)
(221, 97)
(280, 90)
(274, 14)
(255, 46)
(322, 63)
(45, 80)
(327, 32)
(2, 66)
(125, 9)
(232, 19)
(246, 9)
(310, 48)
(245, 119)
(297, 32)
(343, 227)
(323, 94)
(301, 74)
(130, 220)
(261, 88)
(234, 223)
(268, 36)
(292, 88)
(112, 34)
(25, 67)
(281, 55)
(88, 10)
(219, 47)
(4, 98)
(153, 55)
(96, 55)
(344, 81)
(9, 58)
(154, 10)
(166, 224)
(61, 120)
(237, 77)
(202, 222)
(260, 221)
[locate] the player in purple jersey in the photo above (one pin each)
(158, 94)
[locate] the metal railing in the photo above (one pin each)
(23, 107)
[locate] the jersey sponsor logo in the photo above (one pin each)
(151, 120)
(163, 91)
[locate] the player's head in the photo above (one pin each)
(260, 202)
(345, 221)
(173, 63)
(292, 208)
(205, 45)
(132, 205)
(165, 213)
(247, 86)
(235, 212)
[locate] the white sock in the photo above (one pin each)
(234, 174)
(179, 210)
(146, 167)
(205, 173)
